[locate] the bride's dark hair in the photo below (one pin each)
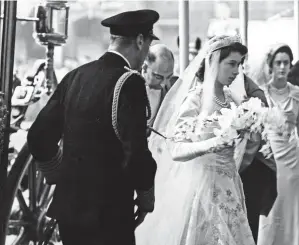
(224, 53)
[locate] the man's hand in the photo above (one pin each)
(145, 200)
(139, 217)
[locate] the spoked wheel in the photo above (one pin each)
(27, 198)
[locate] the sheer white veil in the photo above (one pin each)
(169, 110)
(174, 182)
(258, 70)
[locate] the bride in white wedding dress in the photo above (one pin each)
(199, 195)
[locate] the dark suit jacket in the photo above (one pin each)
(99, 173)
(164, 91)
(259, 180)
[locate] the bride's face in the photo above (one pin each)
(229, 68)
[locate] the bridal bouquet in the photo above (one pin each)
(230, 125)
(251, 117)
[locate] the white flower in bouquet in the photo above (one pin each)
(227, 115)
(251, 115)
(233, 124)
(226, 136)
(253, 104)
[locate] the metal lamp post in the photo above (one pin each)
(51, 30)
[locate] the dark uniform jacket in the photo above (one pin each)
(259, 181)
(98, 172)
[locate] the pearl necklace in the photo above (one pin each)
(220, 103)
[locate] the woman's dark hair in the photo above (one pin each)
(224, 53)
(293, 76)
(273, 52)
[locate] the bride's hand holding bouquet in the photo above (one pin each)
(228, 126)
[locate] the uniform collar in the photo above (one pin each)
(119, 54)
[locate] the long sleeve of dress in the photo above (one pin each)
(183, 149)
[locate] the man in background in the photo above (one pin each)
(259, 180)
(157, 71)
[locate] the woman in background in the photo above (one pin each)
(281, 227)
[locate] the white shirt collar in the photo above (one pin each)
(119, 54)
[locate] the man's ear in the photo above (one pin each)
(140, 41)
(144, 67)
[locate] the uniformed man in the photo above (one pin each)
(97, 172)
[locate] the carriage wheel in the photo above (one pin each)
(27, 199)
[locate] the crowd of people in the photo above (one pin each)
(121, 134)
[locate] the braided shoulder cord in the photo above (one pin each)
(115, 100)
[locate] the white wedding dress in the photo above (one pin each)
(198, 202)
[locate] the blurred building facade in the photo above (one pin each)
(88, 40)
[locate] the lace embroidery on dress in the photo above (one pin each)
(227, 223)
(222, 170)
(232, 214)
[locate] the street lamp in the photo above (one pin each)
(52, 24)
(51, 29)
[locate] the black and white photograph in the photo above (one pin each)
(149, 122)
